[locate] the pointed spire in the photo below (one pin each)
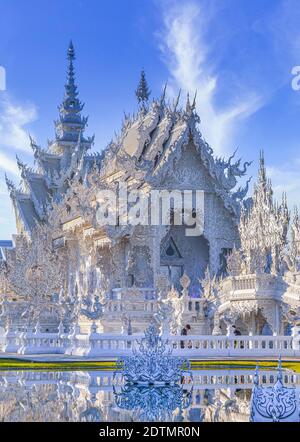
(70, 121)
(194, 101)
(142, 92)
(262, 169)
(71, 52)
(188, 104)
(20, 163)
(71, 104)
(32, 141)
(162, 99)
(78, 145)
(177, 101)
(10, 185)
(22, 167)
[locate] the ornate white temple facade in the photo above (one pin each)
(240, 275)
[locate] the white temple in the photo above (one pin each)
(241, 274)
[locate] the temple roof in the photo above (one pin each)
(146, 145)
(158, 133)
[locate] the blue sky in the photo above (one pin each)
(238, 55)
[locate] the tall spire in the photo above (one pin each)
(188, 108)
(263, 229)
(262, 169)
(177, 101)
(71, 103)
(70, 121)
(142, 92)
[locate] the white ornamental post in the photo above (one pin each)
(93, 337)
(71, 340)
(296, 339)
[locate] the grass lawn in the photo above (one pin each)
(198, 365)
(18, 364)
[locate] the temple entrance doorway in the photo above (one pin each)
(183, 254)
(240, 328)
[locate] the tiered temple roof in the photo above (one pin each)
(149, 143)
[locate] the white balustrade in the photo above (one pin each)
(106, 345)
(106, 380)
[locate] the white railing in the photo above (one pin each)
(147, 293)
(114, 345)
(235, 345)
(106, 380)
(249, 282)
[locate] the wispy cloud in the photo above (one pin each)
(187, 54)
(13, 134)
(8, 165)
(13, 119)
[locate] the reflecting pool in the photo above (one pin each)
(99, 396)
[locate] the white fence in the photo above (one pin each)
(106, 380)
(113, 345)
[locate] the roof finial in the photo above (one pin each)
(262, 169)
(142, 92)
(10, 185)
(188, 104)
(71, 52)
(20, 163)
(33, 143)
(177, 100)
(194, 101)
(162, 100)
(70, 120)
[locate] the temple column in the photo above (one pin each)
(252, 324)
(214, 253)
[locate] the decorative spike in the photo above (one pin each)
(79, 138)
(177, 100)
(194, 101)
(142, 92)
(188, 104)
(10, 185)
(232, 156)
(71, 52)
(32, 141)
(70, 119)
(162, 100)
(262, 169)
(20, 163)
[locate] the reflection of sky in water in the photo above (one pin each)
(214, 395)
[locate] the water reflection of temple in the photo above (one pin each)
(216, 395)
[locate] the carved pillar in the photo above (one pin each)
(216, 328)
(252, 324)
(214, 252)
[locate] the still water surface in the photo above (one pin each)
(98, 396)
